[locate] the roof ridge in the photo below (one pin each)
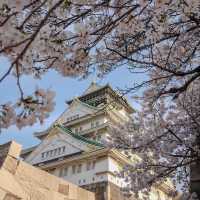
(92, 87)
(80, 137)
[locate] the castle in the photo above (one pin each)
(72, 149)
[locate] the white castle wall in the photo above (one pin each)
(99, 172)
(92, 123)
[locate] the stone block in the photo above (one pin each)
(63, 189)
(15, 149)
(10, 164)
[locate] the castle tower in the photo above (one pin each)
(72, 149)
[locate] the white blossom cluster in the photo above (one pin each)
(165, 137)
(27, 111)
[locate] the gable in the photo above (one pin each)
(93, 87)
(57, 145)
(76, 110)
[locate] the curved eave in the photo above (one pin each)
(26, 152)
(79, 137)
(41, 134)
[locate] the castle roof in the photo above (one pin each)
(65, 130)
(93, 87)
(27, 151)
(80, 137)
(94, 95)
(86, 108)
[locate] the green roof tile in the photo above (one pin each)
(79, 137)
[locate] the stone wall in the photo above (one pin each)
(19, 180)
(11, 149)
(106, 191)
(116, 193)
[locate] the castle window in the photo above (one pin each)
(51, 152)
(72, 118)
(59, 150)
(79, 182)
(55, 151)
(80, 129)
(63, 149)
(73, 169)
(43, 155)
(88, 166)
(61, 172)
(79, 168)
(65, 171)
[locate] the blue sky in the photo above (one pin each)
(65, 88)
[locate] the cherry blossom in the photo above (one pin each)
(159, 38)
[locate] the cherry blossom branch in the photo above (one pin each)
(31, 39)
(30, 14)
